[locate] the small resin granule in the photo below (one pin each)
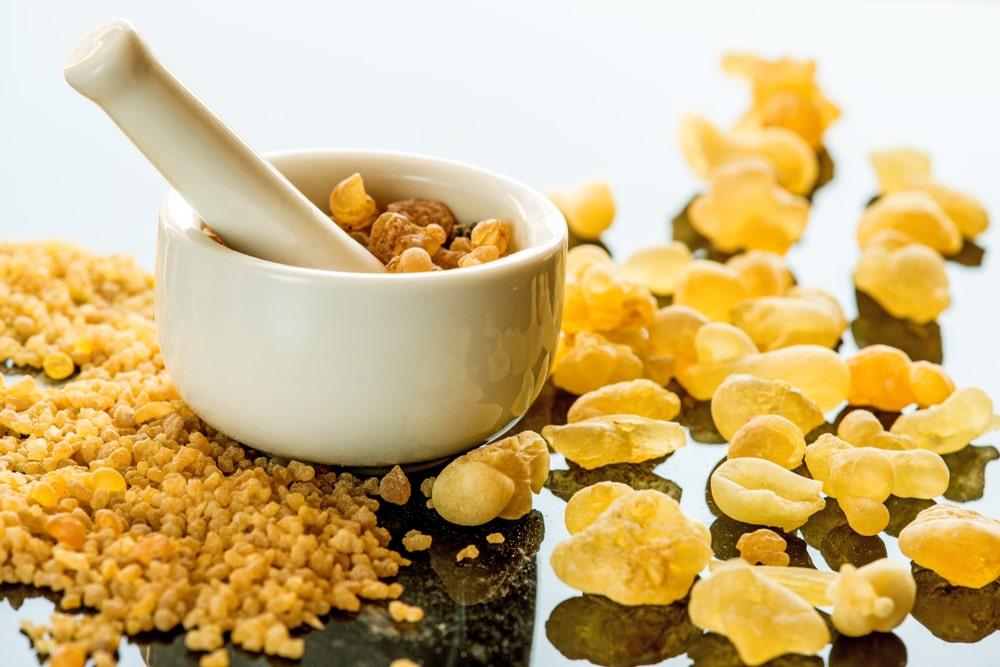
(405, 613)
(471, 552)
(414, 540)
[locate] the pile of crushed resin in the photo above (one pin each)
(117, 497)
(411, 235)
(415, 235)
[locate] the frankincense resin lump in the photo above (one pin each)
(873, 598)
(745, 209)
(817, 371)
(588, 361)
(600, 296)
(861, 428)
(742, 397)
(590, 502)
(623, 438)
(785, 94)
(589, 209)
(884, 377)
(640, 550)
(906, 278)
(770, 437)
(706, 148)
(640, 397)
(903, 169)
(495, 480)
(657, 267)
(763, 546)
(960, 544)
(761, 617)
(760, 492)
(802, 316)
(861, 478)
(951, 425)
(395, 487)
(710, 288)
(914, 214)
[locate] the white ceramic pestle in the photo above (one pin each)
(235, 191)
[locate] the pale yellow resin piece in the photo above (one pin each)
(873, 598)
(495, 480)
(601, 441)
(906, 278)
(762, 618)
(951, 425)
(804, 317)
(641, 550)
(770, 437)
(742, 397)
(819, 372)
(861, 478)
(590, 502)
(901, 169)
(960, 544)
(657, 266)
(763, 493)
(640, 397)
(706, 147)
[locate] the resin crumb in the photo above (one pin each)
(405, 613)
(218, 658)
(395, 487)
(414, 540)
(471, 552)
(764, 547)
(495, 538)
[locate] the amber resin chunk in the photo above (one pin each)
(496, 480)
(876, 597)
(862, 478)
(707, 148)
(764, 547)
(746, 209)
(640, 550)
(590, 502)
(640, 397)
(760, 492)
(770, 437)
(761, 617)
(601, 441)
(740, 398)
(951, 425)
(960, 544)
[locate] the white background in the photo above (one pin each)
(549, 93)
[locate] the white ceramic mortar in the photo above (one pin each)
(364, 369)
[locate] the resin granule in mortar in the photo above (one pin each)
(117, 497)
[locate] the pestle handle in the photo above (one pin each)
(234, 190)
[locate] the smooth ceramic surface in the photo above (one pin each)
(245, 200)
(364, 369)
